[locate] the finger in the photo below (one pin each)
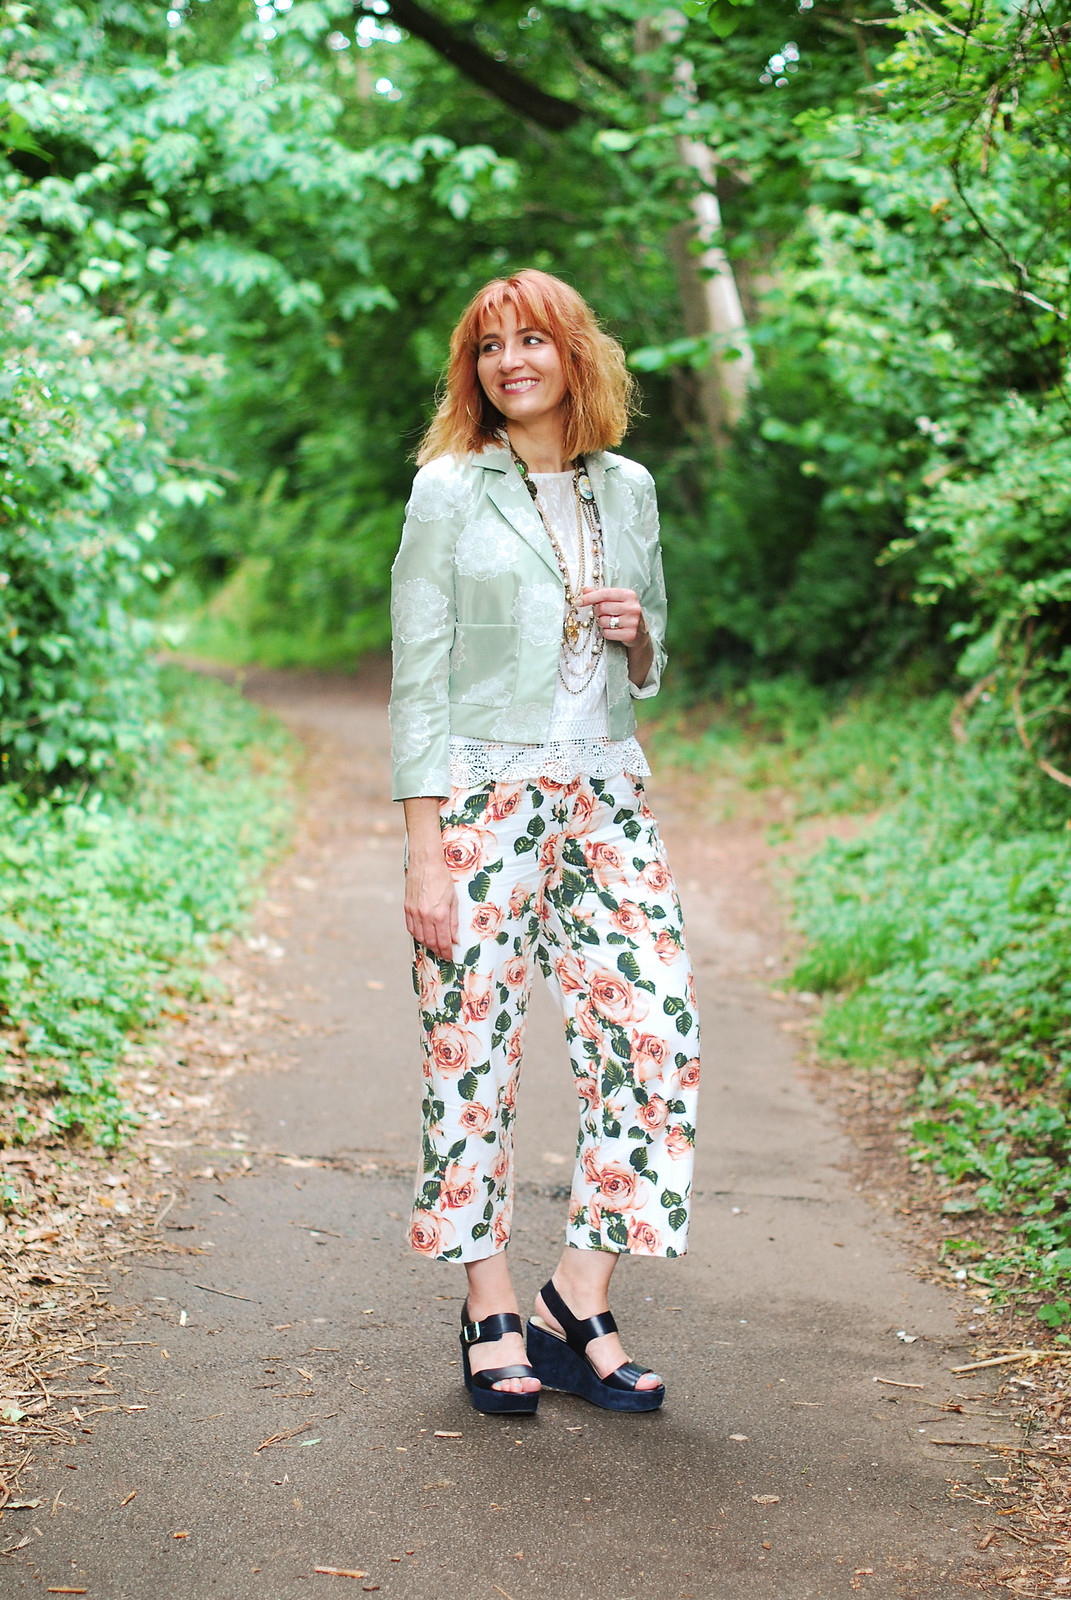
(440, 931)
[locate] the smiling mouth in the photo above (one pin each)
(518, 385)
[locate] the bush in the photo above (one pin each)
(109, 909)
(943, 935)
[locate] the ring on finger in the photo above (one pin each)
(614, 622)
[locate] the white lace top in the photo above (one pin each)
(577, 744)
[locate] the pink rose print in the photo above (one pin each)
(629, 918)
(650, 1052)
(476, 997)
(519, 901)
(656, 876)
(688, 1076)
(621, 1188)
(504, 801)
(550, 864)
(572, 973)
(450, 1046)
(653, 1115)
(431, 988)
(587, 813)
(643, 1239)
(588, 1090)
(465, 848)
(487, 920)
(615, 998)
(459, 1187)
(573, 915)
(589, 1164)
(605, 861)
(678, 1144)
(500, 1230)
(475, 1118)
(587, 1022)
(430, 1234)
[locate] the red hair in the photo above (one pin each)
(600, 390)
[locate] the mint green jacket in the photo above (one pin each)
(478, 603)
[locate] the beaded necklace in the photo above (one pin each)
(579, 633)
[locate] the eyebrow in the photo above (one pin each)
(494, 333)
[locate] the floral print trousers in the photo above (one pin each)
(572, 876)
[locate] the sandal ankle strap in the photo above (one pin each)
(488, 1329)
(579, 1331)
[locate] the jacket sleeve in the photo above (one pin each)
(653, 597)
(423, 618)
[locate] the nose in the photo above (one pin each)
(511, 356)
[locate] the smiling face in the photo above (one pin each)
(520, 369)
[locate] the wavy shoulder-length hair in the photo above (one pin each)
(600, 390)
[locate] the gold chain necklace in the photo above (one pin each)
(576, 628)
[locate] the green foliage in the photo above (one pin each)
(110, 909)
(943, 933)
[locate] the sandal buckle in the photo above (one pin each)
(471, 1333)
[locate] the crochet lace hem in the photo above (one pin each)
(474, 761)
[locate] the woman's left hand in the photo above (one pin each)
(619, 614)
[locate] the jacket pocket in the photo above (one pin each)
(483, 664)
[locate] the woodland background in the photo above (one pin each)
(834, 239)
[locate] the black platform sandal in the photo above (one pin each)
(561, 1363)
(481, 1385)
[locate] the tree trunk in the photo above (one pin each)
(709, 294)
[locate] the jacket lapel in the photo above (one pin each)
(505, 490)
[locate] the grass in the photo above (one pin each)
(940, 935)
(112, 906)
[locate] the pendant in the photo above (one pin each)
(572, 629)
(583, 485)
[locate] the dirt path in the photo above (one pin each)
(779, 1467)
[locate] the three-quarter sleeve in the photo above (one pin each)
(653, 596)
(423, 619)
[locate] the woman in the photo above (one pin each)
(529, 611)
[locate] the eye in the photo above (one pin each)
(533, 338)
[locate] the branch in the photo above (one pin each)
(498, 79)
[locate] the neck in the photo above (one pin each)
(539, 444)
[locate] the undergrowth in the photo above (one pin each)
(940, 935)
(110, 905)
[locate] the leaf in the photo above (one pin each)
(615, 139)
(478, 887)
(627, 963)
(677, 1218)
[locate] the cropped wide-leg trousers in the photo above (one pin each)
(573, 877)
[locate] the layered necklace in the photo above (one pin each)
(580, 636)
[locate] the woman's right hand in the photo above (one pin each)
(430, 896)
(431, 905)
